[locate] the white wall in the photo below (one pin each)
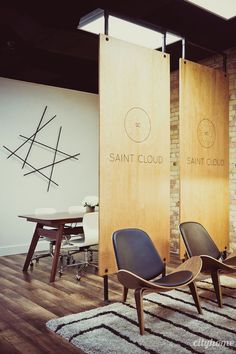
(21, 107)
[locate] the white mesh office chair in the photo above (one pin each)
(74, 209)
(68, 246)
(85, 244)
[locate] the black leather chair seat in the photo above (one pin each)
(175, 279)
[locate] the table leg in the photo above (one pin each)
(32, 247)
(56, 253)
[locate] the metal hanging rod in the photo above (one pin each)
(106, 13)
(106, 22)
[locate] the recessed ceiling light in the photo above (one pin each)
(223, 8)
(125, 30)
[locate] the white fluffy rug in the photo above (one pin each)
(172, 324)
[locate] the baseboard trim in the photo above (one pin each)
(22, 248)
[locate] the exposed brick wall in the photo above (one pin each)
(231, 70)
(215, 62)
(174, 165)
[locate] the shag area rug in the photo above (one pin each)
(172, 324)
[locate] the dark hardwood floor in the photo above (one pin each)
(28, 301)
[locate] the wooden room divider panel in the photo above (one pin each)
(204, 170)
(134, 144)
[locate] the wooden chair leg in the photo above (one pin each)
(216, 283)
(138, 294)
(125, 293)
(193, 289)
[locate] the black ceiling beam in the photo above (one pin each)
(40, 42)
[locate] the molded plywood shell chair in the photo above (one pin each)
(140, 265)
(198, 242)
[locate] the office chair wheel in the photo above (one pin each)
(60, 273)
(31, 264)
(78, 277)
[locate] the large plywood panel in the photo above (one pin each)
(134, 145)
(204, 195)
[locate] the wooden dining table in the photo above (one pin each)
(58, 223)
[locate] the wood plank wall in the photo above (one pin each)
(204, 149)
(134, 144)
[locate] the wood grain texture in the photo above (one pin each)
(134, 145)
(204, 164)
(28, 301)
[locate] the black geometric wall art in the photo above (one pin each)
(31, 140)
